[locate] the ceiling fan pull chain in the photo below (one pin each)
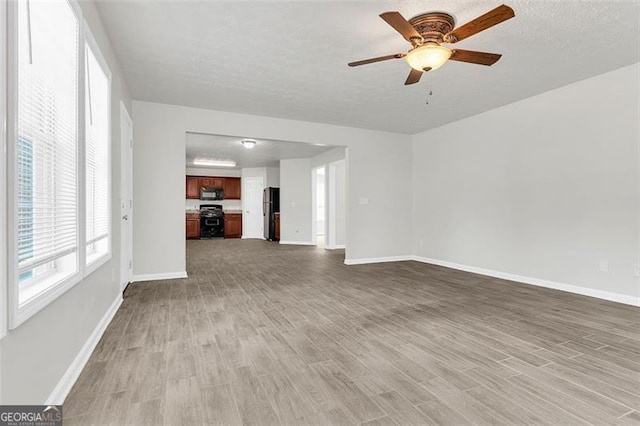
(430, 76)
(430, 86)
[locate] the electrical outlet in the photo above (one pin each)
(297, 231)
(604, 265)
(364, 200)
(637, 269)
(421, 242)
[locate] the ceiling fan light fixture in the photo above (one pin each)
(428, 57)
(249, 143)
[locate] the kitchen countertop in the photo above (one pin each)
(233, 212)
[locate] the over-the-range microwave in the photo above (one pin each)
(211, 194)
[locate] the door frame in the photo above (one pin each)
(126, 186)
(245, 215)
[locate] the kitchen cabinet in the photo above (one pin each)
(193, 187)
(212, 182)
(232, 188)
(276, 219)
(230, 185)
(232, 225)
(193, 226)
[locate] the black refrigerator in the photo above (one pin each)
(270, 206)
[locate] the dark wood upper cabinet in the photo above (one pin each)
(193, 187)
(232, 188)
(212, 182)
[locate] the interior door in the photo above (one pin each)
(126, 197)
(252, 219)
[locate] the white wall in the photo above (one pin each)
(35, 356)
(544, 188)
(273, 177)
(159, 154)
(255, 172)
(295, 201)
(327, 157)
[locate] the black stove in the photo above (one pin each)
(211, 221)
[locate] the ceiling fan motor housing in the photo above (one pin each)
(433, 26)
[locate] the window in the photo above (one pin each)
(47, 146)
(60, 150)
(97, 164)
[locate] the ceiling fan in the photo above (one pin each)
(429, 31)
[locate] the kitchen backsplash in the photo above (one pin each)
(226, 204)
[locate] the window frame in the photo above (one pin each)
(89, 40)
(3, 176)
(19, 314)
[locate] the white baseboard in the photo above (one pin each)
(335, 247)
(298, 243)
(161, 276)
(70, 376)
(570, 288)
(364, 261)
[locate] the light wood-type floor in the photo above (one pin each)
(267, 334)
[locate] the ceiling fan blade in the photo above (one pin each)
(401, 25)
(378, 59)
(481, 23)
(471, 56)
(414, 77)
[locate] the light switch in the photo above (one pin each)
(364, 200)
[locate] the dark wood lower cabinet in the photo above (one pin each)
(277, 223)
(193, 226)
(232, 225)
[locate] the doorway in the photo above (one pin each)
(319, 207)
(336, 205)
(252, 219)
(126, 197)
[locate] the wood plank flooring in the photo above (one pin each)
(266, 334)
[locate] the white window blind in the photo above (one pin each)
(47, 145)
(97, 157)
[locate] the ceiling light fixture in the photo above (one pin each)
(428, 57)
(213, 163)
(249, 143)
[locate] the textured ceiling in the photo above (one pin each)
(266, 153)
(288, 59)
